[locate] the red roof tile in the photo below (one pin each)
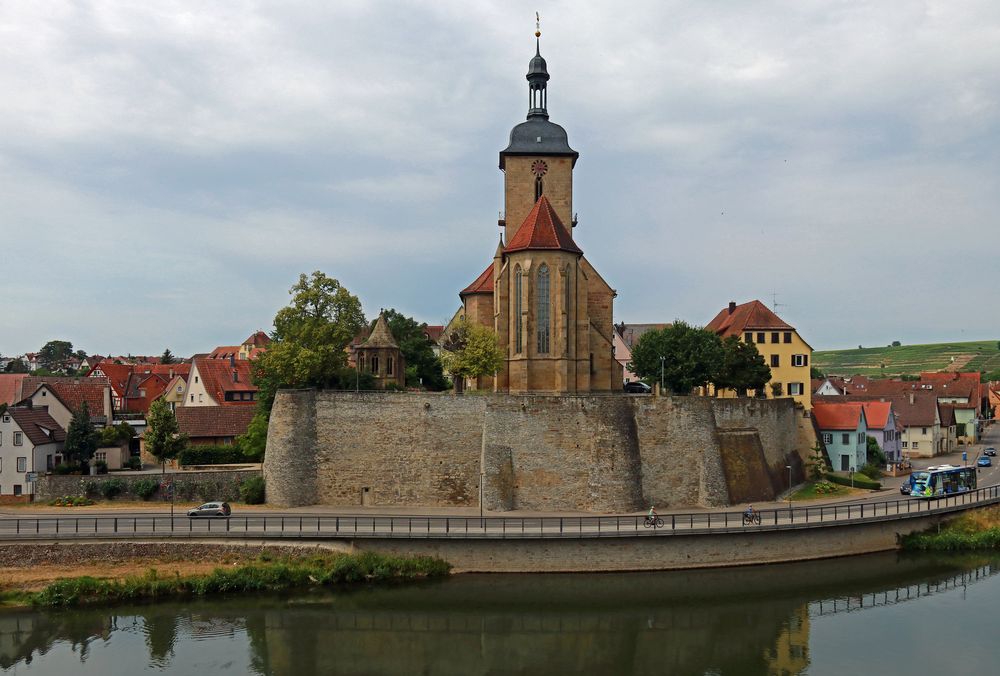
(72, 392)
(542, 229)
(433, 333)
(877, 413)
(837, 416)
(483, 283)
(214, 421)
(10, 387)
(220, 376)
(258, 339)
(34, 422)
(750, 316)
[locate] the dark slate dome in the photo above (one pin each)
(537, 66)
(538, 136)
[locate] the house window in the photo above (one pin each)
(827, 438)
(17, 489)
(775, 360)
(6, 418)
(774, 336)
(845, 438)
(747, 337)
(18, 438)
(795, 388)
(542, 311)
(388, 366)
(788, 336)
(200, 397)
(196, 378)
(916, 444)
(518, 328)
(760, 337)
(22, 464)
(192, 398)
(861, 437)
(905, 444)
(374, 363)
(101, 456)
(800, 360)
(924, 432)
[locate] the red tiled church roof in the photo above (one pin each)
(542, 229)
(736, 319)
(483, 283)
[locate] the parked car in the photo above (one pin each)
(984, 461)
(211, 509)
(904, 487)
(637, 387)
(990, 452)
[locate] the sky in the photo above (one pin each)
(168, 169)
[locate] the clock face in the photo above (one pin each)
(538, 168)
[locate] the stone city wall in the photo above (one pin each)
(595, 453)
(188, 486)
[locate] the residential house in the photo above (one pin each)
(217, 425)
(254, 345)
(63, 396)
(843, 428)
(778, 342)
(920, 418)
(174, 392)
(220, 382)
(30, 441)
(884, 427)
(624, 338)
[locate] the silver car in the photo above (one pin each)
(211, 509)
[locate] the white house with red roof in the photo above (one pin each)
(220, 382)
(30, 441)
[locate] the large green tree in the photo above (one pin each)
(81, 437)
(307, 348)
(690, 357)
(472, 351)
(54, 355)
(168, 357)
(422, 366)
(742, 368)
(16, 365)
(163, 438)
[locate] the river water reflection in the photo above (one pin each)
(884, 614)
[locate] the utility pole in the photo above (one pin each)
(662, 360)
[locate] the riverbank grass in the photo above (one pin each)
(262, 575)
(977, 529)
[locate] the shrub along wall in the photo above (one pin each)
(860, 481)
(212, 455)
(188, 486)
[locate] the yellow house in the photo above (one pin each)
(777, 341)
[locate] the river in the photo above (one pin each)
(884, 614)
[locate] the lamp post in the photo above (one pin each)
(662, 361)
(789, 468)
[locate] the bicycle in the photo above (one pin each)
(751, 518)
(653, 522)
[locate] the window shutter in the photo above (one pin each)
(805, 360)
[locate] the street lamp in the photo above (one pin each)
(662, 360)
(789, 468)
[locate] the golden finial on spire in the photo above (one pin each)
(538, 26)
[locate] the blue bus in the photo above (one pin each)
(942, 481)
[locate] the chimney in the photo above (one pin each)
(236, 376)
(232, 360)
(171, 372)
(732, 306)
(911, 397)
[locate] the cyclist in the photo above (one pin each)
(749, 512)
(652, 512)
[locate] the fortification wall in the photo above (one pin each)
(596, 453)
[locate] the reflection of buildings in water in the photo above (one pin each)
(790, 653)
(23, 635)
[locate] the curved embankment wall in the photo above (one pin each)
(548, 453)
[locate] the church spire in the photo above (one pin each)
(538, 76)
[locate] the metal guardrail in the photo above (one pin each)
(320, 526)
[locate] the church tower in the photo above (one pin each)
(551, 310)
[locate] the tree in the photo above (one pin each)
(473, 350)
(16, 365)
(896, 343)
(742, 368)
(163, 438)
(817, 462)
(54, 355)
(426, 368)
(116, 435)
(874, 454)
(81, 437)
(816, 374)
(307, 349)
(167, 357)
(691, 357)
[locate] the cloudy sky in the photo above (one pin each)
(168, 169)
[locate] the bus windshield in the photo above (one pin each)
(920, 478)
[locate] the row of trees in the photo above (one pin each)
(686, 357)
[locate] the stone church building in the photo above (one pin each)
(550, 308)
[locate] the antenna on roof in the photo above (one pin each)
(774, 302)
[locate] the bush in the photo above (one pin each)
(860, 481)
(134, 463)
(211, 455)
(63, 469)
(72, 501)
(872, 471)
(252, 491)
(145, 488)
(102, 467)
(112, 488)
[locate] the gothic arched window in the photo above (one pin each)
(542, 309)
(388, 366)
(374, 363)
(538, 188)
(518, 328)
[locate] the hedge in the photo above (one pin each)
(860, 481)
(212, 455)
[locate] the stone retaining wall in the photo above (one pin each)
(188, 486)
(610, 453)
